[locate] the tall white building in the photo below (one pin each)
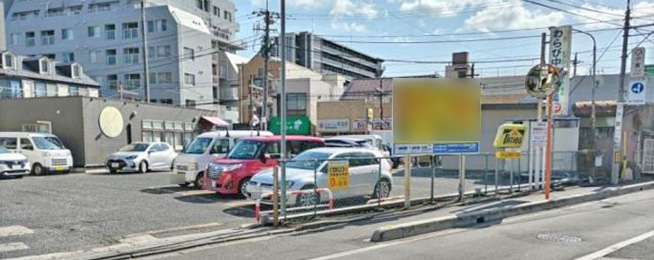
(185, 42)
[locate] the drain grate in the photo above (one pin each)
(559, 238)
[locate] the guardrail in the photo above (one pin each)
(330, 200)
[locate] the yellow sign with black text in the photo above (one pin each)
(509, 136)
(508, 154)
(338, 175)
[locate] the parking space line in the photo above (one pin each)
(616, 247)
(15, 231)
(12, 247)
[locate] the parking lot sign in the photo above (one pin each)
(436, 116)
(338, 175)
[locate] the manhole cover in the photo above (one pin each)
(559, 238)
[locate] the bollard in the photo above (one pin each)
(379, 198)
(275, 196)
(407, 182)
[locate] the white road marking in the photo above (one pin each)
(12, 247)
(617, 247)
(15, 231)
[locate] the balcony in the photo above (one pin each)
(229, 94)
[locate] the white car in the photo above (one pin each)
(142, 157)
(13, 164)
(45, 152)
(365, 177)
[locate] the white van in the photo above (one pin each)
(45, 152)
(204, 149)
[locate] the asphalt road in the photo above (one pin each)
(64, 213)
(584, 230)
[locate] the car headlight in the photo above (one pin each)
(232, 167)
(46, 154)
(193, 166)
(131, 157)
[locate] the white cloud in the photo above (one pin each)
(304, 4)
(443, 8)
(348, 27)
(513, 16)
(350, 8)
(613, 15)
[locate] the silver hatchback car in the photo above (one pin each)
(142, 157)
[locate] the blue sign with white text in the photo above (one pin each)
(464, 148)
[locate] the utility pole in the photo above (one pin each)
(146, 73)
(617, 144)
(283, 103)
(575, 62)
(265, 54)
(381, 100)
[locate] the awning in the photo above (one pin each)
(215, 121)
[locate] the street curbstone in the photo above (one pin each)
(491, 215)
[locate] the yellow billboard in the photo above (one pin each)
(439, 116)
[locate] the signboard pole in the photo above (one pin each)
(275, 196)
(548, 150)
(462, 176)
(407, 182)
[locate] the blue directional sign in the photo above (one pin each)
(637, 88)
(637, 92)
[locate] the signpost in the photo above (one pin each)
(638, 63)
(560, 46)
(637, 92)
(508, 142)
(338, 175)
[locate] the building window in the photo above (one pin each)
(157, 26)
(14, 38)
(47, 37)
(164, 51)
(45, 66)
(216, 11)
(28, 15)
(13, 90)
(73, 91)
(296, 102)
(75, 10)
(228, 16)
(111, 57)
(152, 77)
(94, 56)
(110, 31)
(9, 61)
(131, 55)
(67, 34)
(152, 52)
(190, 103)
(94, 31)
(30, 39)
(55, 12)
(112, 81)
(40, 89)
(199, 4)
(132, 81)
(68, 57)
(165, 77)
(189, 53)
(77, 71)
(189, 79)
(101, 7)
(131, 30)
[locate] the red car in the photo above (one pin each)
(230, 175)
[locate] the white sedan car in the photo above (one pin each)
(142, 157)
(13, 164)
(365, 178)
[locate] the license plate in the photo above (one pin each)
(60, 168)
(115, 165)
(255, 193)
(16, 167)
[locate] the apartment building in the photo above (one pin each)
(185, 39)
(328, 57)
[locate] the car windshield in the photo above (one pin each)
(139, 147)
(199, 146)
(246, 149)
(48, 143)
(4, 150)
(308, 160)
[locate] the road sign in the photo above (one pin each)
(295, 125)
(509, 154)
(509, 136)
(338, 175)
(637, 92)
(542, 81)
(638, 62)
(560, 46)
(538, 134)
(444, 114)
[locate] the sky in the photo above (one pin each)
(502, 36)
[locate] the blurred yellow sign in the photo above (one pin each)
(509, 136)
(508, 154)
(444, 114)
(338, 175)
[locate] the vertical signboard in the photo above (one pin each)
(436, 116)
(538, 134)
(560, 46)
(638, 63)
(636, 93)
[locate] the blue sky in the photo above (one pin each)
(430, 30)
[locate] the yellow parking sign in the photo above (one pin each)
(338, 175)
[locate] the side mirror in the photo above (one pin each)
(150, 152)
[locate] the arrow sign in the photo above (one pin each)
(637, 92)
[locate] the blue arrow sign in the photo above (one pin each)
(637, 88)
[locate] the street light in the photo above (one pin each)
(593, 120)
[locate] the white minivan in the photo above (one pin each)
(45, 152)
(204, 149)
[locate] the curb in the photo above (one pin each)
(468, 219)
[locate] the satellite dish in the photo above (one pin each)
(542, 80)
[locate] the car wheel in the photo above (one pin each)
(18, 177)
(143, 167)
(307, 199)
(112, 171)
(199, 181)
(242, 187)
(184, 185)
(382, 189)
(37, 169)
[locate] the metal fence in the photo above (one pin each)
(370, 182)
